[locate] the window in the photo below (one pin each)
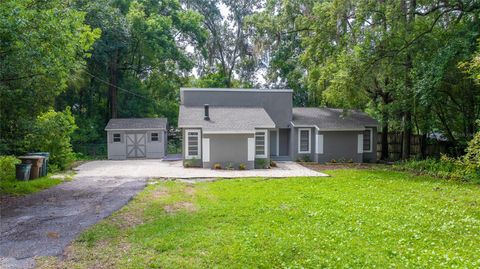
(304, 138)
(154, 137)
(260, 144)
(117, 138)
(367, 140)
(192, 144)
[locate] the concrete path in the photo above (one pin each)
(174, 169)
(44, 223)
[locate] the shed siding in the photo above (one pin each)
(116, 150)
(154, 149)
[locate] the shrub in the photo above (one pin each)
(471, 159)
(51, 133)
(7, 167)
(191, 163)
(217, 166)
(262, 164)
(242, 166)
(229, 166)
(333, 161)
(273, 164)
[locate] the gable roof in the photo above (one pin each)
(225, 119)
(136, 124)
(332, 118)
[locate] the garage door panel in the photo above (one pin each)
(136, 146)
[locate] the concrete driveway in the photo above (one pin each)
(44, 223)
(174, 169)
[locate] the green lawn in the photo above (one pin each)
(17, 187)
(356, 218)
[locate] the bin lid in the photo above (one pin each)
(32, 157)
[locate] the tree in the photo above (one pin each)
(42, 44)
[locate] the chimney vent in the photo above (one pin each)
(207, 114)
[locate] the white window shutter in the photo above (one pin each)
(319, 143)
(251, 149)
(206, 149)
(360, 143)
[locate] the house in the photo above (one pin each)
(251, 126)
(136, 138)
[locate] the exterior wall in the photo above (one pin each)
(156, 149)
(274, 103)
(153, 150)
(116, 150)
(371, 157)
(294, 141)
(273, 143)
(228, 148)
(340, 145)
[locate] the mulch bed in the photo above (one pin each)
(336, 166)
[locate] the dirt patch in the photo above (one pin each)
(159, 192)
(180, 206)
(190, 190)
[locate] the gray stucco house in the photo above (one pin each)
(252, 126)
(136, 138)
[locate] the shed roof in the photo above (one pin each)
(225, 119)
(136, 124)
(332, 118)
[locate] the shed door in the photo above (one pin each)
(136, 145)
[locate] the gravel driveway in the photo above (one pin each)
(42, 224)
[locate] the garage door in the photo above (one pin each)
(136, 145)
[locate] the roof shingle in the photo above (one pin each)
(332, 118)
(225, 119)
(136, 124)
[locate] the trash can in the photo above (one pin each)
(23, 171)
(44, 169)
(36, 162)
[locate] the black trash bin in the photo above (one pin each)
(44, 169)
(23, 171)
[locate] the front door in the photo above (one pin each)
(136, 145)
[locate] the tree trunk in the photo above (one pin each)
(112, 87)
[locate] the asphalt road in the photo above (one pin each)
(44, 223)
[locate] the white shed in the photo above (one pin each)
(136, 138)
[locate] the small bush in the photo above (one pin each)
(217, 166)
(7, 167)
(242, 166)
(333, 161)
(273, 164)
(229, 166)
(191, 163)
(262, 164)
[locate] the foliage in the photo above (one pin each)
(43, 45)
(217, 166)
(242, 166)
(261, 163)
(273, 164)
(51, 133)
(229, 166)
(471, 159)
(291, 223)
(7, 167)
(194, 162)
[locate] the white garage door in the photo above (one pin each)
(136, 145)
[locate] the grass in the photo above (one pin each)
(356, 218)
(16, 187)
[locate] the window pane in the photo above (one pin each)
(192, 144)
(366, 140)
(116, 138)
(259, 143)
(304, 140)
(154, 136)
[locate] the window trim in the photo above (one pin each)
(199, 139)
(371, 140)
(119, 137)
(158, 137)
(265, 140)
(309, 141)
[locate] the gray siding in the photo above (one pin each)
(284, 142)
(340, 145)
(276, 104)
(229, 148)
(153, 149)
(273, 142)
